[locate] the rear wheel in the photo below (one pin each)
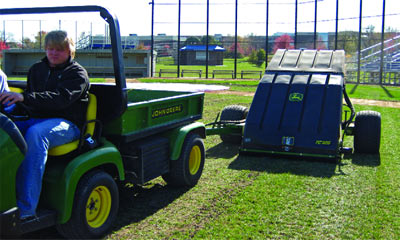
(233, 113)
(95, 207)
(367, 132)
(187, 170)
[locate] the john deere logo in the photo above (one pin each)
(296, 97)
(162, 112)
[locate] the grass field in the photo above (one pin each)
(247, 197)
(373, 92)
(243, 197)
(229, 64)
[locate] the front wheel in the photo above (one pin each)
(95, 207)
(187, 170)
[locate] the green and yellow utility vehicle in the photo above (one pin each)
(131, 136)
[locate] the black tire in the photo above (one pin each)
(367, 132)
(187, 169)
(98, 191)
(233, 113)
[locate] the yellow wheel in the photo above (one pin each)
(194, 160)
(187, 169)
(95, 207)
(98, 206)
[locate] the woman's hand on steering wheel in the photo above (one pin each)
(7, 99)
(10, 98)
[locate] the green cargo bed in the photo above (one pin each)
(153, 111)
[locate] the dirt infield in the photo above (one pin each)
(392, 104)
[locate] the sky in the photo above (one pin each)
(135, 16)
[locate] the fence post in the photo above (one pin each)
(40, 34)
(336, 24)
(179, 39)
(236, 37)
(359, 44)
(382, 43)
(207, 41)
(152, 39)
(22, 40)
(295, 24)
(266, 35)
(315, 24)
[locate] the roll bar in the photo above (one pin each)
(115, 35)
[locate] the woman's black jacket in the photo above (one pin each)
(58, 92)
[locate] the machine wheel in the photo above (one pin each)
(187, 170)
(367, 132)
(95, 207)
(233, 113)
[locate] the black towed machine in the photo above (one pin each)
(298, 110)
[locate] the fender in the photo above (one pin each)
(177, 137)
(11, 158)
(62, 179)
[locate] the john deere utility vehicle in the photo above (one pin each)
(130, 136)
(298, 110)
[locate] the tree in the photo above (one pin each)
(320, 44)
(257, 57)
(28, 43)
(283, 42)
(3, 46)
(39, 40)
(253, 57)
(211, 40)
(192, 41)
(348, 41)
(230, 52)
(371, 38)
(260, 57)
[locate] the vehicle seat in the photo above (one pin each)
(89, 129)
(16, 89)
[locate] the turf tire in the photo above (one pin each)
(367, 132)
(233, 113)
(78, 226)
(187, 169)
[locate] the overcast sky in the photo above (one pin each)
(135, 16)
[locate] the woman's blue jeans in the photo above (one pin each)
(40, 135)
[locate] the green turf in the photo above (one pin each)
(376, 92)
(293, 199)
(373, 92)
(247, 197)
(229, 64)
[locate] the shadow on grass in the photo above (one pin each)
(222, 150)
(137, 202)
(353, 90)
(271, 164)
(387, 91)
(369, 160)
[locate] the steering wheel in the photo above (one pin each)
(20, 112)
(12, 130)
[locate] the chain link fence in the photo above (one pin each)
(246, 33)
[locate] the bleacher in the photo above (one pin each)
(371, 56)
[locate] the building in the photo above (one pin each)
(196, 55)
